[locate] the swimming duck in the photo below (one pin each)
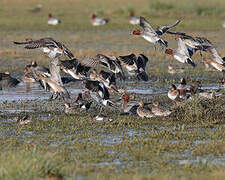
(53, 21)
(181, 53)
(143, 112)
(98, 21)
(149, 33)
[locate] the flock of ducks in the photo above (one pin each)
(99, 86)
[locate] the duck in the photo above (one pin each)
(53, 21)
(83, 103)
(49, 46)
(174, 94)
(157, 111)
(74, 68)
(143, 112)
(196, 43)
(54, 87)
(6, 80)
(175, 69)
(181, 53)
(208, 67)
(101, 118)
(149, 33)
(23, 120)
(135, 65)
(98, 21)
(129, 105)
(111, 63)
(182, 87)
(108, 79)
(134, 20)
(215, 64)
(99, 93)
(223, 25)
(216, 57)
(221, 83)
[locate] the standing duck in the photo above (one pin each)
(129, 105)
(181, 53)
(174, 94)
(54, 87)
(143, 112)
(182, 87)
(98, 21)
(53, 21)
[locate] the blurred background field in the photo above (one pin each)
(75, 14)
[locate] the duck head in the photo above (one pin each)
(131, 14)
(169, 51)
(136, 32)
(93, 16)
